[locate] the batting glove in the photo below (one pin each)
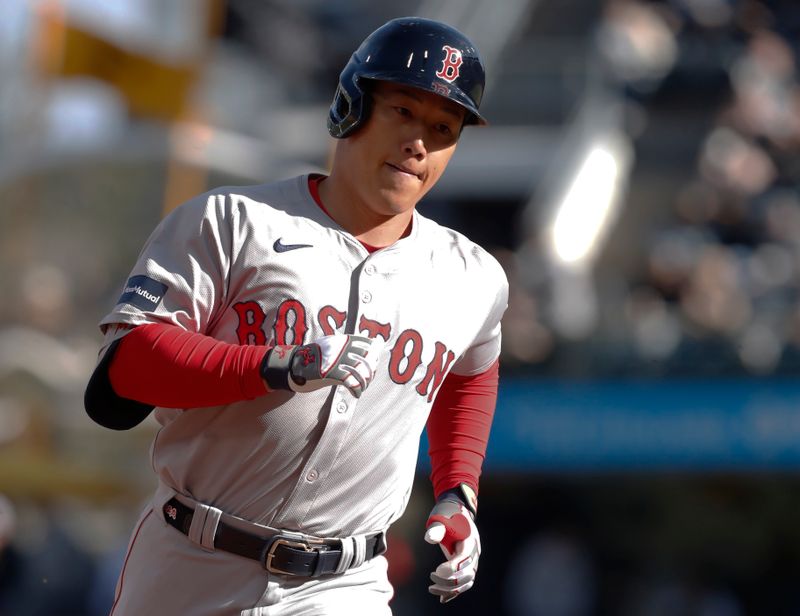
(340, 359)
(451, 526)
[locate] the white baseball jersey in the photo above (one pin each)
(265, 264)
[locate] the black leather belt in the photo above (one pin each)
(282, 554)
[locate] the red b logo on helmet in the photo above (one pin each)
(451, 64)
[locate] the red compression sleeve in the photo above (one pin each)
(458, 428)
(164, 365)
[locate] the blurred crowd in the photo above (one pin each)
(49, 572)
(715, 289)
(727, 268)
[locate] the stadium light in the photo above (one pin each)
(590, 201)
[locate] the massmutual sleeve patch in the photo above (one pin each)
(143, 292)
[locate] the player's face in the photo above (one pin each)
(403, 148)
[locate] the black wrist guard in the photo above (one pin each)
(275, 367)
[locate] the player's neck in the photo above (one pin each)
(358, 218)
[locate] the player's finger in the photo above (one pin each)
(362, 341)
(359, 376)
(367, 369)
(354, 378)
(364, 366)
(453, 595)
(457, 528)
(464, 549)
(376, 346)
(450, 585)
(371, 362)
(359, 346)
(353, 385)
(454, 570)
(445, 597)
(435, 533)
(448, 594)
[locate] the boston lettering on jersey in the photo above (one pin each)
(291, 326)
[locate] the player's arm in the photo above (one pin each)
(160, 364)
(458, 428)
(165, 365)
(458, 433)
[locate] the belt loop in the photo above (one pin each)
(382, 545)
(360, 552)
(348, 550)
(204, 525)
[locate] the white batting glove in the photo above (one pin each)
(340, 359)
(450, 525)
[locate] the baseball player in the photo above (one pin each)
(294, 339)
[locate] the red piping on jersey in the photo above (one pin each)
(164, 365)
(125, 563)
(314, 180)
(458, 428)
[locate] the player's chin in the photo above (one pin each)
(396, 202)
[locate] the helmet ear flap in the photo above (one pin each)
(348, 111)
(340, 118)
(341, 104)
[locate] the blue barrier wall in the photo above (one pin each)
(659, 425)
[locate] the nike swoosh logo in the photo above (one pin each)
(281, 247)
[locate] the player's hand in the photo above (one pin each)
(450, 525)
(340, 359)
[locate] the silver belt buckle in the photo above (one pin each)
(305, 544)
(278, 542)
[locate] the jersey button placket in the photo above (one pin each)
(323, 459)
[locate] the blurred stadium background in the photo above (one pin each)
(639, 183)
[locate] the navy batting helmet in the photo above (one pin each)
(414, 51)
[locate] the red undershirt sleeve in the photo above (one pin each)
(163, 365)
(458, 428)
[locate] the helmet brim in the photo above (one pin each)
(424, 82)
